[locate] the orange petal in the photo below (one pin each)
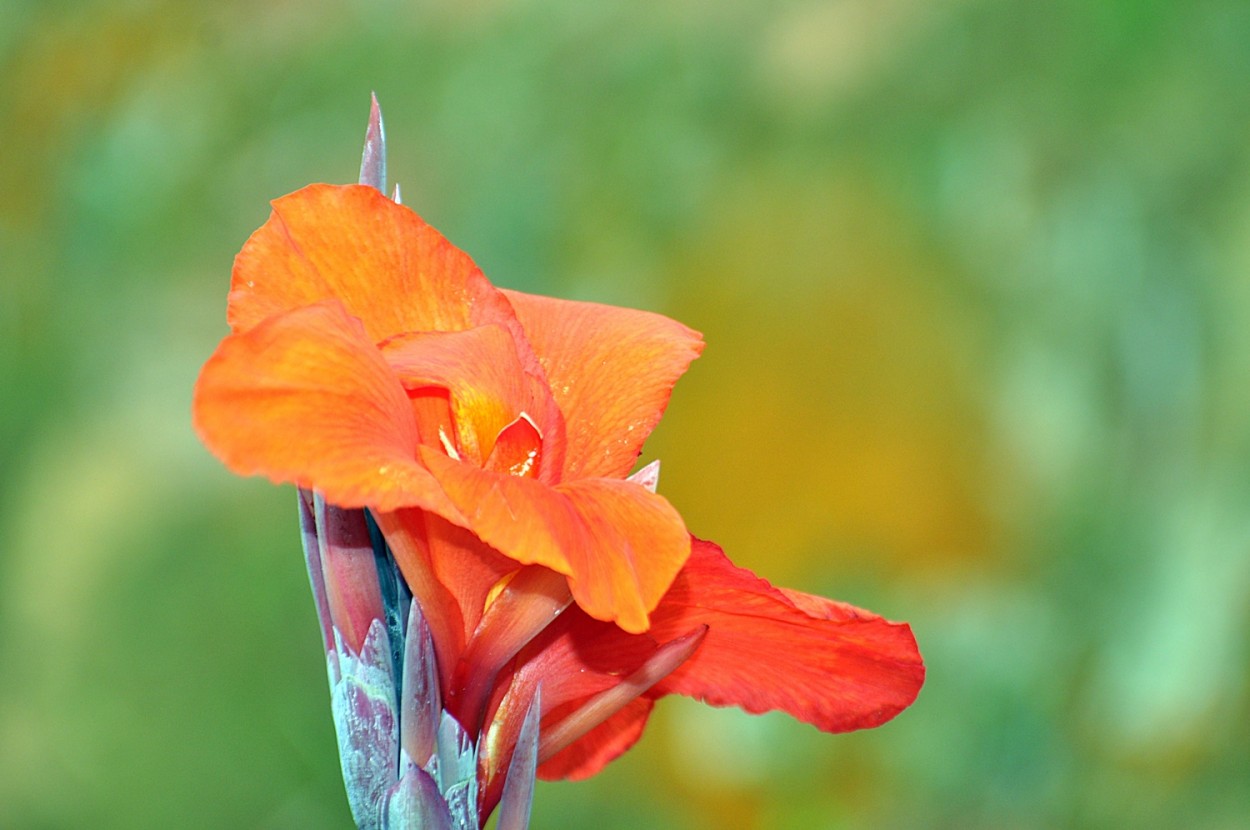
(826, 663)
(306, 398)
(450, 572)
(524, 605)
(381, 260)
(611, 371)
(619, 544)
(518, 449)
(431, 409)
(488, 383)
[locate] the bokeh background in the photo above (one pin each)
(974, 278)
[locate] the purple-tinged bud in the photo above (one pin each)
(421, 708)
(518, 789)
(415, 802)
(373, 159)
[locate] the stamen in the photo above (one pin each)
(448, 447)
(525, 466)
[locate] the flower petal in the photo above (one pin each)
(828, 664)
(576, 659)
(573, 659)
(489, 385)
(611, 371)
(305, 397)
(566, 728)
(381, 260)
(619, 544)
(601, 745)
(419, 540)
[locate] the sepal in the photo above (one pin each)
(518, 788)
(415, 803)
(362, 701)
(373, 158)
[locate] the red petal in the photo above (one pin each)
(611, 371)
(578, 656)
(826, 663)
(386, 265)
(305, 397)
(518, 450)
(522, 607)
(574, 658)
(563, 729)
(619, 545)
(601, 745)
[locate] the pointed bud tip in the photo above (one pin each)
(648, 476)
(373, 159)
(518, 788)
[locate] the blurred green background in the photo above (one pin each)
(974, 280)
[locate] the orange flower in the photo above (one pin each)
(490, 435)
(371, 360)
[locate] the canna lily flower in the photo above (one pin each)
(477, 445)
(373, 361)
